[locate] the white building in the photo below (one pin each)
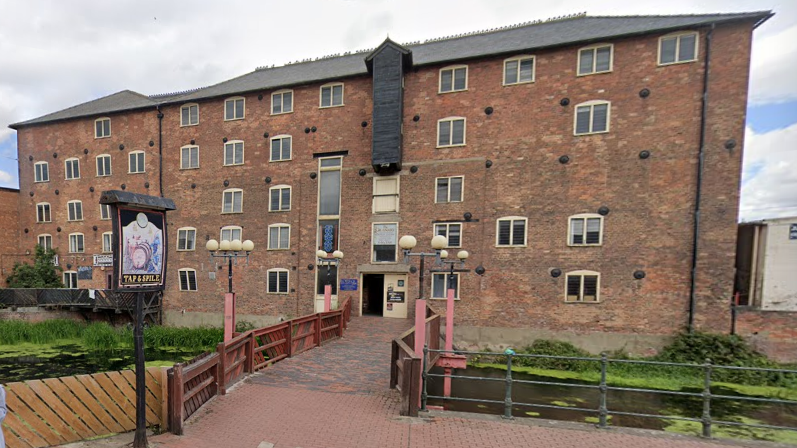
(766, 264)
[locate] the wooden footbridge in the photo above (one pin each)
(83, 301)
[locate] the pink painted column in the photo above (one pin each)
(229, 315)
(327, 297)
(449, 339)
(420, 337)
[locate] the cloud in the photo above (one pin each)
(772, 68)
(769, 180)
(6, 178)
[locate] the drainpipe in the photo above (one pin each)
(160, 149)
(700, 162)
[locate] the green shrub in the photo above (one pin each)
(193, 338)
(556, 348)
(17, 331)
(101, 336)
(242, 326)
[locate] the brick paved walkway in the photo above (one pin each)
(337, 396)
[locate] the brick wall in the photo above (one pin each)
(9, 245)
(771, 332)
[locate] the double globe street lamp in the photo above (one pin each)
(325, 258)
(231, 251)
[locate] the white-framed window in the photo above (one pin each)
(277, 281)
(332, 95)
(43, 212)
(582, 286)
(279, 237)
(103, 165)
(281, 148)
(107, 242)
(449, 189)
(105, 212)
(70, 279)
(451, 132)
(187, 279)
(595, 59)
(136, 159)
(234, 153)
(453, 79)
(585, 230)
(102, 128)
(230, 233)
(189, 157)
(76, 243)
(74, 210)
(45, 241)
(452, 232)
(519, 70)
(41, 172)
(189, 115)
(282, 102)
(329, 186)
(592, 117)
(384, 238)
(71, 169)
(511, 231)
(232, 201)
(386, 195)
(677, 48)
(440, 283)
(279, 198)
(234, 109)
(186, 238)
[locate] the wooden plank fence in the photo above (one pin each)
(406, 365)
(55, 411)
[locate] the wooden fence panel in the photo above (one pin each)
(55, 411)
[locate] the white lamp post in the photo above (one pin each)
(229, 250)
(324, 258)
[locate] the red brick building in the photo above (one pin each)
(9, 245)
(574, 159)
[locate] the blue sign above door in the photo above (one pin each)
(348, 284)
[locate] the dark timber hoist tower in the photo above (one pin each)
(387, 65)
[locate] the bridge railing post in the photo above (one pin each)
(222, 369)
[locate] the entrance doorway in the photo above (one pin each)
(373, 294)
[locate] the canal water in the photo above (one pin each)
(622, 401)
(28, 361)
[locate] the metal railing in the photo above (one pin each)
(603, 387)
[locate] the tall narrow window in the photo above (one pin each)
(232, 201)
(281, 148)
(332, 95)
(329, 186)
(70, 279)
(234, 109)
(384, 238)
(441, 282)
(519, 70)
(43, 212)
(595, 59)
(103, 165)
(107, 242)
(677, 48)
(136, 162)
(452, 232)
(72, 169)
(189, 157)
(105, 212)
(46, 241)
(511, 231)
(76, 243)
(74, 211)
(230, 233)
(189, 115)
(450, 132)
(282, 102)
(582, 286)
(41, 172)
(234, 153)
(586, 230)
(279, 237)
(186, 238)
(187, 279)
(386, 194)
(102, 128)
(592, 117)
(277, 281)
(453, 79)
(449, 189)
(280, 198)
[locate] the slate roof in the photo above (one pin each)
(526, 37)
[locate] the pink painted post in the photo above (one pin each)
(327, 297)
(420, 337)
(449, 339)
(229, 315)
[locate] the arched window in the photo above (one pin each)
(582, 286)
(232, 201)
(592, 117)
(585, 229)
(451, 132)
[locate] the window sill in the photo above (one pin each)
(518, 83)
(104, 136)
(590, 133)
(666, 64)
(594, 73)
(277, 249)
(282, 113)
(186, 250)
(583, 302)
(232, 213)
(40, 181)
(280, 160)
(188, 290)
(104, 175)
(279, 211)
(452, 146)
(137, 172)
(500, 246)
(331, 107)
(188, 125)
(585, 245)
(235, 119)
(449, 202)
(234, 164)
(105, 219)
(71, 178)
(279, 293)
(456, 299)
(440, 92)
(191, 168)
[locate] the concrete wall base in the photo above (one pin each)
(196, 319)
(36, 314)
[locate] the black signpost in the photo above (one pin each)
(139, 264)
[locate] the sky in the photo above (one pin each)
(55, 54)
